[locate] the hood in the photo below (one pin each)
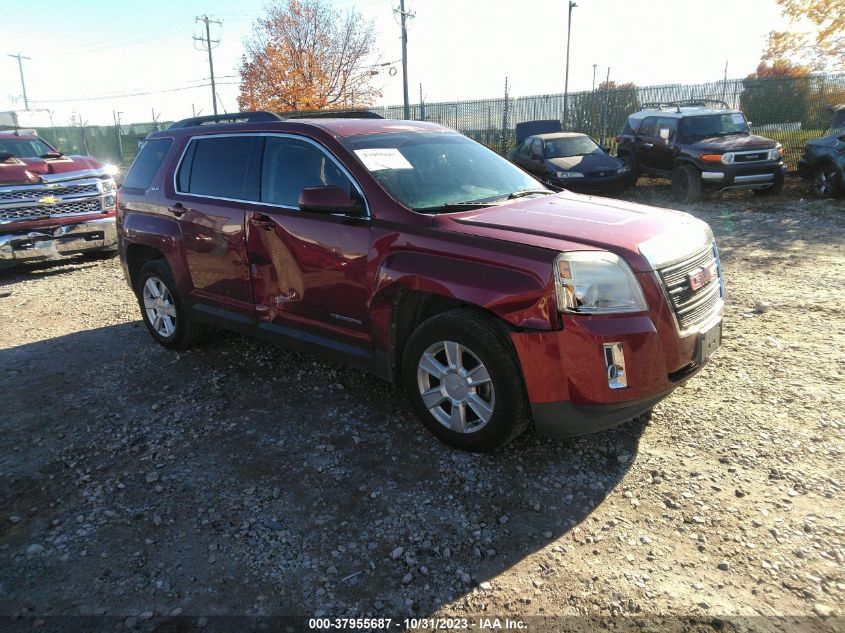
(29, 171)
(734, 142)
(646, 237)
(591, 162)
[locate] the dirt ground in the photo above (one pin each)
(239, 478)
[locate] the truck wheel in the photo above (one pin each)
(463, 381)
(686, 184)
(162, 309)
(825, 181)
(774, 190)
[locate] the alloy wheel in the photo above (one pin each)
(456, 387)
(159, 307)
(823, 181)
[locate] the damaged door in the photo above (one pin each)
(308, 269)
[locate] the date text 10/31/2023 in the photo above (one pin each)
(417, 624)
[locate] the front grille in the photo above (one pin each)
(48, 211)
(40, 192)
(692, 307)
(751, 157)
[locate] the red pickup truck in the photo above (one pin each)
(52, 205)
(409, 250)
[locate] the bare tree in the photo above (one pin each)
(304, 55)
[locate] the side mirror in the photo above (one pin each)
(328, 200)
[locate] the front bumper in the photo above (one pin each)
(566, 371)
(57, 242)
(757, 176)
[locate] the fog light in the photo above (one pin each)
(615, 363)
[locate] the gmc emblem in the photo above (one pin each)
(702, 276)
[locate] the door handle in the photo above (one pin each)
(648, 145)
(261, 221)
(177, 209)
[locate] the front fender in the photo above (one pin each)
(521, 298)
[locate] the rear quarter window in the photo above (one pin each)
(147, 163)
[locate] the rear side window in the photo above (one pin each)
(648, 127)
(147, 163)
(217, 167)
(291, 165)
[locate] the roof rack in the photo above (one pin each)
(686, 103)
(236, 117)
(334, 114)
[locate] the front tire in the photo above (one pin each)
(463, 381)
(686, 184)
(162, 309)
(825, 181)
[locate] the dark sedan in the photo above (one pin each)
(572, 161)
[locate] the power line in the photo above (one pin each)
(134, 94)
(20, 57)
(207, 45)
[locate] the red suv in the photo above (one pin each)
(409, 250)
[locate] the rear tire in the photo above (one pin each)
(163, 310)
(686, 184)
(463, 381)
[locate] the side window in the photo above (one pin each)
(666, 129)
(525, 148)
(648, 127)
(217, 167)
(537, 148)
(291, 165)
(147, 163)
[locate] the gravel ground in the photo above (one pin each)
(240, 478)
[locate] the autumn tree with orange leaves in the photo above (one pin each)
(821, 48)
(306, 56)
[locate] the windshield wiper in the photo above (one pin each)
(526, 192)
(455, 206)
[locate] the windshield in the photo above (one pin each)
(24, 147)
(713, 125)
(426, 171)
(570, 146)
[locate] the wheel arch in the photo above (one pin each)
(148, 237)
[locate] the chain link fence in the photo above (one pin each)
(790, 110)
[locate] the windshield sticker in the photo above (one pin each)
(738, 118)
(383, 158)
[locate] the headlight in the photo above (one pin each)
(776, 153)
(728, 158)
(107, 185)
(596, 282)
(569, 174)
(623, 170)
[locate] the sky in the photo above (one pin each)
(138, 58)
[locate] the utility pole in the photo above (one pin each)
(20, 58)
(116, 116)
(422, 105)
(207, 45)
(593, 102)
(403, 16)
(725, 83)
(572, 5)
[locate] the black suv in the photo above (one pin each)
(823, 162)
(698, 144)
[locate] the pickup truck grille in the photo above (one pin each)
(80, 196)
(693, 293)
(37, 193)
(45, 211)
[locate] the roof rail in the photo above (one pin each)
(333, 114)
(236, 117)
(686, 103)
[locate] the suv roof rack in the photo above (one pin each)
(686, 103)
(258, 116)
(334, 114)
